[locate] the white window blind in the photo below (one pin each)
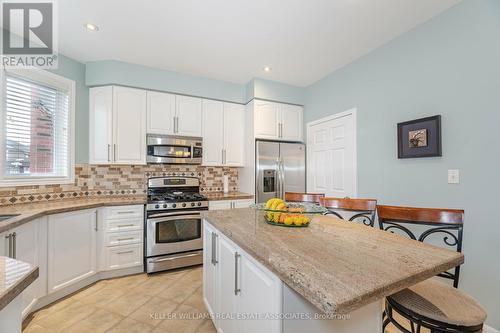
(36, 127)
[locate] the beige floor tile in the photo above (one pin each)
(128, 281)
(54, 307)
(58, 321)
(127, 303)
(35, 328)
(196, 300)
(103, 296)
(130, 326)
(90, 290)
(180, 290)
(154, 311)
(207, 327)
(98, 322)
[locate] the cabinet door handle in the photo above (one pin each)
(125, 252)
(125, 225)
(114, 152)
(126, 212)
(9, 237)
(125, 239)
(222, 151)
(214, 248)
(14, 245)
(109, 152)
(236, 259)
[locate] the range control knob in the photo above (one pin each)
(157, 206)
(199, 203)
(164, 205)
(192, 204)
(184, 204)
(174, 205)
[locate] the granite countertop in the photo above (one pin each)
(234, 195)
(31, 211)
(336, 265)
(15, 276)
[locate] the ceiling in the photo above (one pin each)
(232, 40)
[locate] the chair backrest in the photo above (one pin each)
(447, 222)
(303, 197)
(356, 210)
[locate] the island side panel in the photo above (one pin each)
(363, 320)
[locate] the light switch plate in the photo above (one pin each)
(454, 176)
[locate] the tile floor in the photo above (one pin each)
(137, 303)
(132, 304)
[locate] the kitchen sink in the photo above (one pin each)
(8, 216)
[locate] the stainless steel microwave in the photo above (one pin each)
(174, 149)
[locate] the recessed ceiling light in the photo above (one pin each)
(91, 27)
(267, 69)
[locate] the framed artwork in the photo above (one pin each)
(420, 138)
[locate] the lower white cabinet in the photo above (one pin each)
(121, 237)
(229, 204)
(235, 285)
(71, 248)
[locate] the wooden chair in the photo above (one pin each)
(357, 210)
(431, 304)
(303, 197)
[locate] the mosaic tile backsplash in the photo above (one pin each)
(116, 180)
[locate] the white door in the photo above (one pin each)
(210, 269)
(129, 125)
(213, 132)
(160, 113)
(71, 248)
(234, 134)
(266, 119)
(260, 294)
(291, 122)
(100, 125)
(188, 113)
(331, 147)
(226, 285)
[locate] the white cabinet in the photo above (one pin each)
(188, 116)
(120, 237)
(229, 204)
(71, 248)
(160, 113)
(223, 134)
(117, 125)
(277, 121)
(129, 126)
(213, 133)
(234, 135)
(101, 125)
(233, 282)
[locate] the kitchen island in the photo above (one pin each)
(290, 278)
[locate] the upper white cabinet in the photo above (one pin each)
(117, 125)
(72, 244)
(101, 125)
(277, 121)
(223, 133)
(188, 116)
(160, 113)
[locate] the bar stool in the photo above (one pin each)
(357, 210)
(431, 304)
(303, 197)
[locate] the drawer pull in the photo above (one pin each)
(125, 252)
(127, 212)
(125, 239)
(125, 225)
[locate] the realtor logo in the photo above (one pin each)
(28, 34)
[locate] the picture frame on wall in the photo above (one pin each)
(420, 138)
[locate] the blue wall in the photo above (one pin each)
(448, 66)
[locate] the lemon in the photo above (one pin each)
(288, 220)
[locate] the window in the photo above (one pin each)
(37, 128)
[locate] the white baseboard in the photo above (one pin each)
(488, 329)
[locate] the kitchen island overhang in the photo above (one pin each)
(339, 267)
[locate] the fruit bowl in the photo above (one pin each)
(292, 214)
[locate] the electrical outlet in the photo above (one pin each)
(454, 176)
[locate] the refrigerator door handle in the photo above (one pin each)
(278, 179)
(282, 176)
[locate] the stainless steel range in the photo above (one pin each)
(173, 223)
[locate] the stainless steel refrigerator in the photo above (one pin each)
(280, 167)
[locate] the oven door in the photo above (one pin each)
(173, 232)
